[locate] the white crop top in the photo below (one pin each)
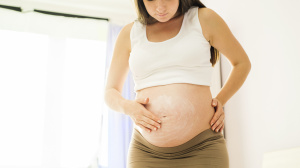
(184, 58)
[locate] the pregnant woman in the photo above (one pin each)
(171, 50)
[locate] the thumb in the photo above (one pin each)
(214, 102)
(143, 101)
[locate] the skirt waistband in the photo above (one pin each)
(205, 135)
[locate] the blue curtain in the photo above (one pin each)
(119, 125)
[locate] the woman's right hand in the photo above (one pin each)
(141, 116)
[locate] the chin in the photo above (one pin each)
(162, 20)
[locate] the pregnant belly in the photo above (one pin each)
(184, 109)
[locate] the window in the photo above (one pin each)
(52, 76)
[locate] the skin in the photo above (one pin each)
(181, 112)
(156, 8)
(215, 31)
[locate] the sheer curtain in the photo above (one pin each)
(52, 70)
(117, 127)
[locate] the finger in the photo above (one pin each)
(142, 101)
(152, 117)
(219, 126)
(151, 127)
(214, 102)
(218, 122)
(150, 121)
(216, 117)
(216, 106)
(222, 128)
(143, 127)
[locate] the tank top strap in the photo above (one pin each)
(192, 21)
(136, 33)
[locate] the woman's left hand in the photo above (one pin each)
(217, 121)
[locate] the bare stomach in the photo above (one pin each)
(184, 109)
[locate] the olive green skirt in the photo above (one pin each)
(206, 150)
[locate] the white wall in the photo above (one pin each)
(264, 115)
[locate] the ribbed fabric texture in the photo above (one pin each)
(206, 150)
(184, 58)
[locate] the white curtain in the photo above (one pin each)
(52, 71)
(117, 127)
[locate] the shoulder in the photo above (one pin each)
(128, 27)
(208, 14)
(124, 35)
(210, 20)
(125, 31)
(206, 11)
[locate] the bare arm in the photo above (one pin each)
(115, 100)
(117, 75)
(118, 71)
(222, 39)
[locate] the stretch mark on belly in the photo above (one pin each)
(177, 114)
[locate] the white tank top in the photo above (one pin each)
(184, 58)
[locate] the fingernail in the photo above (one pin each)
(159, 121)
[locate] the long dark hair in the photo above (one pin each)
(184, 5)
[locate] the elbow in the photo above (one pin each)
(246, 64)
(243, 64)
(108, 91)
(106, 94)
(249, 65)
